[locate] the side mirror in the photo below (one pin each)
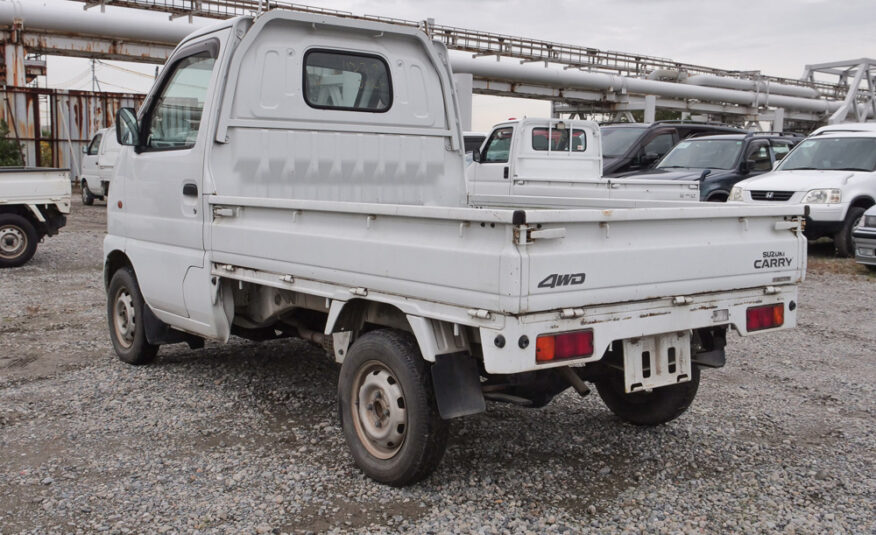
(127, 127)
(747, 166)
(84, 149)
(476, 156)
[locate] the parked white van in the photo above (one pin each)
(98, 163)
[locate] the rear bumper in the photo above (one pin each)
(511, 349)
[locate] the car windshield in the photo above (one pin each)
(617, 139)
(837, 153)
(703, 154)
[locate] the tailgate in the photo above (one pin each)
(584, 257)
(34, 186)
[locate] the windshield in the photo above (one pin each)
(618, 139)
(838, 153)
(703, 154)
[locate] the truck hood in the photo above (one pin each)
(686, 173)
(802, 180)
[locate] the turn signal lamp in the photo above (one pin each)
(550, 347)
(765, 317)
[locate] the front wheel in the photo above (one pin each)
(656, 407)
(387, 409)
(87, 197)
(845, 244)
(18, 240)
(124, 310)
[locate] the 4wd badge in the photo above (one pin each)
(555, 279)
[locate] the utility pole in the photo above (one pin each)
(93, 77)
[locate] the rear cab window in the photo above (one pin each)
(351, 81)
(559, 140)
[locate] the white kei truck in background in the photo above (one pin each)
(555, 163)
(98, 162)
(34, 203)
(303, 175)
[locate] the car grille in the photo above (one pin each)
(771, 195)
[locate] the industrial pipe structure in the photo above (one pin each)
(64, 28)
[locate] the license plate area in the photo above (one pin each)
(655, 361)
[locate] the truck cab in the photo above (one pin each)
(98, 163)
(554, 162)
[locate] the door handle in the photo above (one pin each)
(505, 172)
(190, 190)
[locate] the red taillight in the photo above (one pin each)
(550, 347)
(765, 317)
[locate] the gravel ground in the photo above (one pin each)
(243, 438)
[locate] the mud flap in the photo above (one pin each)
(457, 385)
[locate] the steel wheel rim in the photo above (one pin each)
(124, 318)
(13, 241)
(84, 194)
(379, 410)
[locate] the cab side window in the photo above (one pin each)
(498, 146)
(760, 154)
(780, 149)
(175, 117)
(659, 145)
(94, 146)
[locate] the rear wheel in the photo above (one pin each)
(18, 240)
(658, 406)
(124, 309)
(845, 244)
(87, 197)
(387, 409)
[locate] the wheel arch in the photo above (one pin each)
(862, 201)
(115, 261)
(349, 319)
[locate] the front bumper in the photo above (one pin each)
(511, 348)
(865, 245)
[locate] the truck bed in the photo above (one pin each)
(35, 185)
(482, 259)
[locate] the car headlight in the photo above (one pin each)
(870, 221)
(735, 194)
(822, 196)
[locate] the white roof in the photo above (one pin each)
(845, 127)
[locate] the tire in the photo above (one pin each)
(87, 197)
(124, 311)
(405, 443)
(843, 241)
(657, 407)
(18, 240)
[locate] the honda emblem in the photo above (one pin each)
(769, 195)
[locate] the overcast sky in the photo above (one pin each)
(776, 37)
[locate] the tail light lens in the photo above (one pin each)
(765, 317)
(550, 347)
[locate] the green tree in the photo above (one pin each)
(10, 150)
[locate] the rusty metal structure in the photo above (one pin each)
(50, 125)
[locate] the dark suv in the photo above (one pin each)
(721, 161)
(633, 147)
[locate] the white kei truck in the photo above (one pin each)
(301, 175)
(537, 162)
(34, 203)
(98, 163)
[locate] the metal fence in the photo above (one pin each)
(52, 125)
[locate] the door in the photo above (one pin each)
(164, 180)
(107, 156)
(493, 171)
(89, 160)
